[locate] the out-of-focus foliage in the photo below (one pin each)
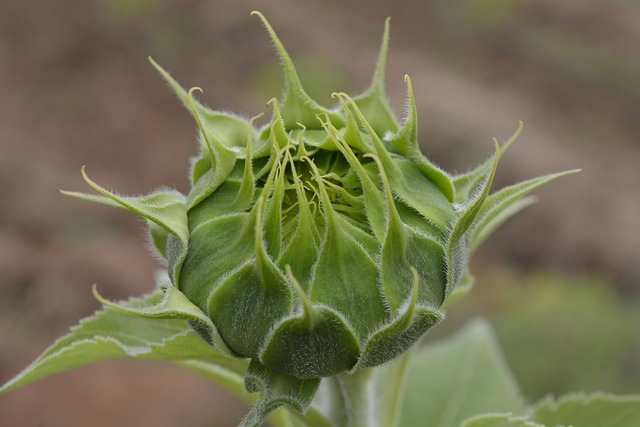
(560, 332)
(463, 376)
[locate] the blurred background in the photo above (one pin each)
(560, 283)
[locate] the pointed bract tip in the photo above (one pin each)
(571, 171)
(385, 34)
(307, 309)
(377, 82)
(410, 126)
(94, 291)
(284, 56)
(102, 300)
(162, 71)
(515, 135)
(272, 102)
(155, 64)
(83, 171)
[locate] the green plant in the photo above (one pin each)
(305, 263)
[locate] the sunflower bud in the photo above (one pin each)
(323, 242)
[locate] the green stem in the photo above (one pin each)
(394, 386)
(352, 399)
(280, 418)
(313, 418)
(369, 398)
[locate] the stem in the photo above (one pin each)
(360, 395)
(368, 398)
(313, 418)
(394, 387)
(352, 399)
(280, 418)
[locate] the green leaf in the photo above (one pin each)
(112, 333)
(461, 377)
(594, 410)
(499, 420)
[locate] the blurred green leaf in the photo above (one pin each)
(457, 378)
(499, 420)
(596, 410)
(559, 332)
(562, 333)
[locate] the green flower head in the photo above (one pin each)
(323, 242)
